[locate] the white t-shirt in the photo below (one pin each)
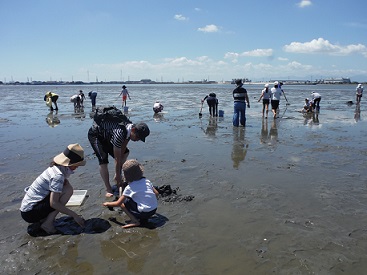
(276, 93)
(141, 191)
(51, 180)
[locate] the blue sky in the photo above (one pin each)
(182, 40)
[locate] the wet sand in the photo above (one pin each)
(276, 197)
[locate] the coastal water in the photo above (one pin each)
(284, 196)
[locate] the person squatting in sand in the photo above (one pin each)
(157, 107)
(212, 102)
(49, 193)
(111, 138)
(139, 198)
(51, 98)
(265, 95)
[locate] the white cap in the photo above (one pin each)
(266, 85)
(276, 83)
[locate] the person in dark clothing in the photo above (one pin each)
(240, 98)
(212, 101)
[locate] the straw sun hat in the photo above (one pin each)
(133, 170)
(73, 155)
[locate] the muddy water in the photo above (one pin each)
(276, 197)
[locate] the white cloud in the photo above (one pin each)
(258, 52)
(283, 59)
(254, 53)
(321, 45)
(209, 28)
(304, 3)
(180, 17)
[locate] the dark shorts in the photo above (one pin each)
(39, 212)
(131, 205)
(266, 101)
(54, 98)
(274, 104)
(100, 146)
(212, 101)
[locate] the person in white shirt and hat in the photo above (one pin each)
(49, 193)
(359, 92)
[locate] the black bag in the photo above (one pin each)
(110, 113)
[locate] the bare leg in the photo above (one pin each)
(134, 221)
(123, 159)
(103, 170)
(48, 223)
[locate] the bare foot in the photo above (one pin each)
(131, 225)
(109, 195)
(49, 229)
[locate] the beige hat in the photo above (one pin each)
(133, 170)
(73, 155)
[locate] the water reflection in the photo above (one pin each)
(264, 137)
(52, 119)
(273, 134)
(239, 149)
(158, 117)
(311, 118)
(79, 113)
(357, 113)
(212, 127)
(130, 250)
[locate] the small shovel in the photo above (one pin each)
(201, 109)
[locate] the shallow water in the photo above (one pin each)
(285, 196)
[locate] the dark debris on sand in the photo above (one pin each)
(167, 194)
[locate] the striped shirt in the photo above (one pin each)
(239, 94)
(113, 132)
(51, 180)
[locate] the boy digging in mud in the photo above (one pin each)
(139, 198)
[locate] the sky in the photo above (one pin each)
(182, 40)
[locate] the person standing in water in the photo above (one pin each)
(240, 98)
(93, 96)
(276, 92)
(359, 92)
(265, 95)
(125, 94)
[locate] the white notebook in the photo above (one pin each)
(77, 198)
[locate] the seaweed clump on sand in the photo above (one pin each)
(167, 194)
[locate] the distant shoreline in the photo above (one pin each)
(80, 83)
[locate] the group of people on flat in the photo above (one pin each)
(241, 102)
(49, 193)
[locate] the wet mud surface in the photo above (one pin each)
(284, 196)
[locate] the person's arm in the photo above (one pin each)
(117, 152)
(155, 192)
(115, 203)
(128, 95)
(261, 96)
(57, 205)
(204, 99)
(248, 101)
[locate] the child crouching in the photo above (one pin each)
(139, 198)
